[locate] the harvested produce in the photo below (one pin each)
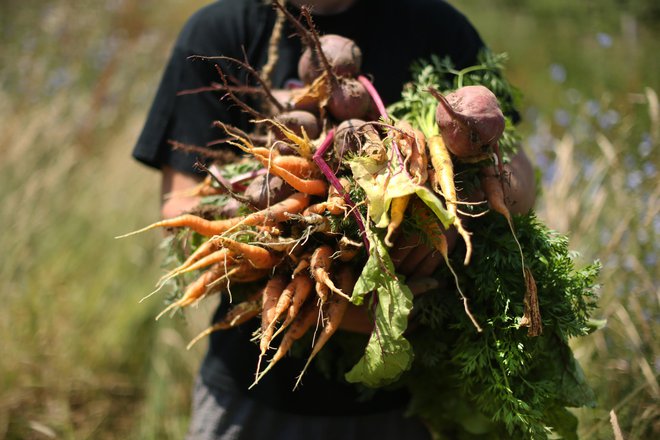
(487, 352)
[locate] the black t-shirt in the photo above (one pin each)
(392, 34)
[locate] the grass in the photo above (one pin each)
(81, 358)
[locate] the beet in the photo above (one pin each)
(347, 137)
(296, 119)
(257, 191)
(470, 120)
(348, 100)
(342, 53)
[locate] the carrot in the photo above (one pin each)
(303, 263)
(348, 249)
(295, 203)
(297, 329)
(279, 212)
(202, 251)
(220, 256)
(335, 309)
(316, 187)
(270, 298)
(444, 184)
(237, 315)
(399, 205)
(491, 185)
(439, 242)
(335, 204)
(197, 224)
(299, 166)
(532, 315)
(197, 289)
(257, 256)
(320, 264)
(292, 299)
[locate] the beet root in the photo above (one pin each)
(348, 100)
(470, 120)
(261, 195)
(296, 121)
(344, 56)
(347, 137)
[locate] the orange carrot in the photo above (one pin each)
(197, 224)
(294, 204)
(300, 166)
(197, 289)
(202, 251)
(257, 256)
(444, 184)
(303, 263)
(348, 249)
(316, 187)
(220, 256)
(320, 264)
(334, 313)
(491, 185)
(297, 329)
(271, 295)
(298, 291)
(237, 315)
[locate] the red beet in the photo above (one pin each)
(343, 54)
(348, 100)
(296, 120)
(470, 120)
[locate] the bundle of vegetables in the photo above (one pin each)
(333, 178)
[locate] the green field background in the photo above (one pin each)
(81, 358)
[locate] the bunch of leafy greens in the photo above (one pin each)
(501, 383)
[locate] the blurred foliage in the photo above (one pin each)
(81, 358)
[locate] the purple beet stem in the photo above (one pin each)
(332, 178)
(374, 95)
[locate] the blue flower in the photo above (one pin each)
(562, 117)
(604, 40)
(557, 73)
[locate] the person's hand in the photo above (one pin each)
(175, 182)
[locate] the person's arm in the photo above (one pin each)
(176, 182)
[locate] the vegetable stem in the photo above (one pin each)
(374, 95)
(334, 181)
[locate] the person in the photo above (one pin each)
(392, 35)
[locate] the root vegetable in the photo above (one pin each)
(297, 329)
(320, 264)
(470, 120)
(277, 213)
(270, 297)
(348, 100)
(262, 195)
(344, 56)
(257, 256)
(299, 121)
(333, 315)
(237, 315)
(444, 184)
(398, 208)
